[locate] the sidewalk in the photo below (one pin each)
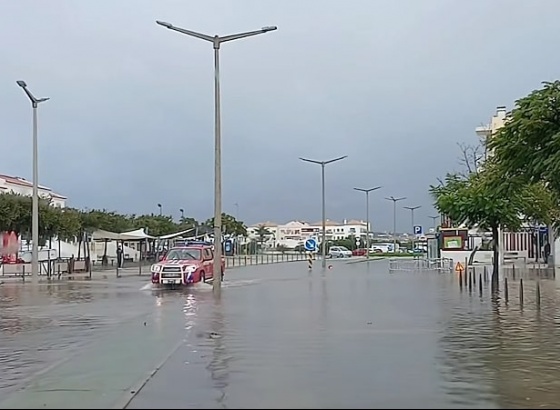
(131, 269)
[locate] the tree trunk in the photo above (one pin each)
(88, 255)
(105, 260)
(496, 256)
(84, 242)
(79, 245)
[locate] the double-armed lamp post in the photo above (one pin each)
(367, 191)
(216, 43)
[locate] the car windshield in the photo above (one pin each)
(183, 254)
(342, 248)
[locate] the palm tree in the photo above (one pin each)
(263, 233)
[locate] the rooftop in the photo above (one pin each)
(11, 180)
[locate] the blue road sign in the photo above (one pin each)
(543, 229)
(417, 230)
(310, 245)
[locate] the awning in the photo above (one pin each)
(136, 235)
(175, 235)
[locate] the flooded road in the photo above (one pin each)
(279, 337)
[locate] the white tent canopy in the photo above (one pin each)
(175, 235)
(136, 235)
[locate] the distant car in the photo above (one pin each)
(299, 248)
(339, 252)
(359, 252)
(184, 265)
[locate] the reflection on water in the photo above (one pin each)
(508, 350)
(349, 337)
(219, 364)
(41, 326)
(359, 338)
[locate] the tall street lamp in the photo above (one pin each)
(324, 220)
(395, 200)
(237, 211)
(367, 191)
(160, 209)
(182, 214)
(434, 221)
(412, 209)
(216, 43)
(35, 194)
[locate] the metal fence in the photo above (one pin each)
(59, 267)
(264, 259)
(421, 265)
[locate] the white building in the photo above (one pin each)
(21, 186)
(271, 229)
(485, 132)
(294, 233)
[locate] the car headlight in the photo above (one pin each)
(155, 268)
(189, 268)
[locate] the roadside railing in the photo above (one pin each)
(264, 259)
(59, 267)
(443, 265)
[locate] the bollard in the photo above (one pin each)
(480, 283)
(470, 280)
(485, 273)
(513, 271)
(59, 272)
(310, 261)
(465, 277)
(538, 294)
(23, 272)
(506, 290)
(521, 291)
(474, 275)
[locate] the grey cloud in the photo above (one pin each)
(392, 84)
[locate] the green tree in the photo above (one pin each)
(490, 201)
(230, 225)
(69, 224)
(528, 146)
(157, 225)
(12, 210)
(263, 234)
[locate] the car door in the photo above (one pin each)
(208, 262)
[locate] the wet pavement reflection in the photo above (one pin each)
(353, 336)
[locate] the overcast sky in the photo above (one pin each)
(392, 84)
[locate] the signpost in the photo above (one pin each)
(459, 268)
(310, 245)
(418, 230)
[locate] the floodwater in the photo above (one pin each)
(353, 336)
